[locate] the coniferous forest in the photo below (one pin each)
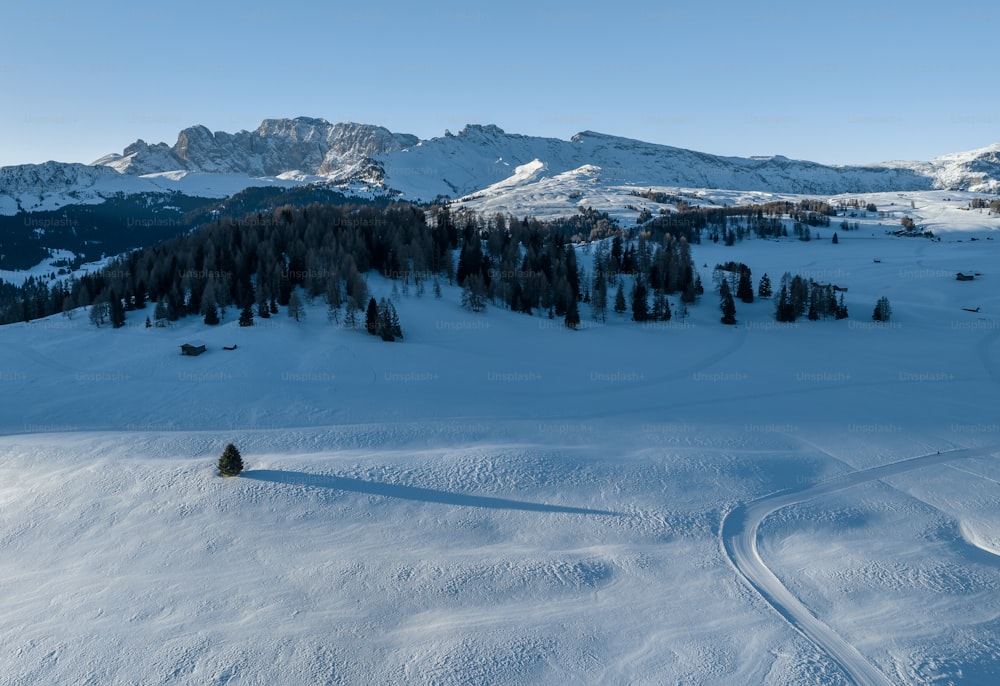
(256, 264)
(261, 261)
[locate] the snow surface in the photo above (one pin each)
(500, 500)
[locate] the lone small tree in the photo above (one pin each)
(230, 464)
(883, 311)
(764, 287)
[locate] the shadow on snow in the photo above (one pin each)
(427, 495)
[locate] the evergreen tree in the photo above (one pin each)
(371, 317)
(572, 314)
(883, 311)
(599, 297)
(764, 287)
(640, 308)
(835, 239)
(474, 293)
(798, 294)
(841, 311)
(744, 289)
(784, 311)
(149, 324)
(384, 321)
(661, 307)
(814, 308)
(620, 300)
(397, 330)
(116, 311)
(437, 288)
(246, 316)
(160, 314)
(726, 304)
(690, 294)
(231, 463)
(211, 315)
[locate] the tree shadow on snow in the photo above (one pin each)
(427, 495)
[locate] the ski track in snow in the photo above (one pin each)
(738, 535)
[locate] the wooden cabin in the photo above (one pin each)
(192, 349)
(965, 277)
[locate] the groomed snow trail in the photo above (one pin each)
(738, 535)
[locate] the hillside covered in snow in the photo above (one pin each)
(499, 499)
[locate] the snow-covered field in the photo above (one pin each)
(500, 500)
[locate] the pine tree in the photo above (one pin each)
(116, 312)
(727, 305)
(764, 287)
(231, 463)
(841, 308)
(599, 297)
(160, 314)
(211, 315)
(371, 317)
(640, 308)
(784, 311)
(384, 323)
(835, 239)
(620, 306)
(437, 288)
(246, 316)
(744, 290)
(474, 293)
(572, 314)
(690, 294)
(394, 326)
(883, 311)
(813, 314)
(149, 324)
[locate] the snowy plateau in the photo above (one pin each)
(498, 499)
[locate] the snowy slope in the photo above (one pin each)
(445, 511)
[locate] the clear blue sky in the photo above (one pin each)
(853, 82)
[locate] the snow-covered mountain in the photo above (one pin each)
(307, 150)
(277, 146)
(481, 155)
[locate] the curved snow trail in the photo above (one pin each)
(738, 535)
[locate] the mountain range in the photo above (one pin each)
(364, 157)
